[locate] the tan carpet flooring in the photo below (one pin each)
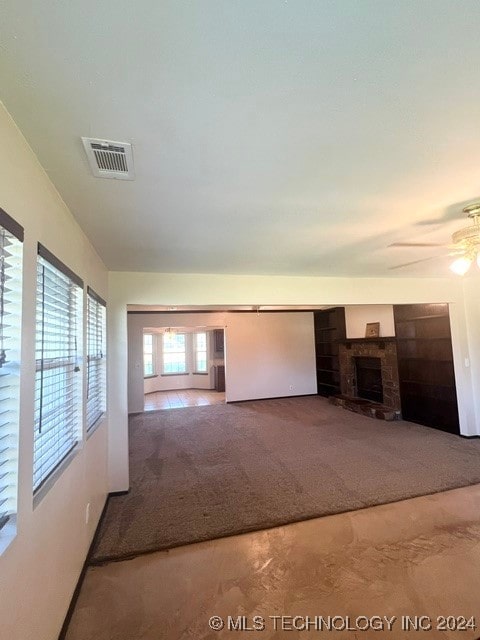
(199, 473)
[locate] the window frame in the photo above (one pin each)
(10, 357)
(196, 351)
(152, 354)
(185, 372)
(65, 316)
(96, 360)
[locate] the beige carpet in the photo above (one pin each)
(205, 472)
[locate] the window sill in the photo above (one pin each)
(152, 375)
(98, 422)
(8, 533)
(200, 373)
(44, 488)
(169, 375)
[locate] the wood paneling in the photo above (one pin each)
(425, 365)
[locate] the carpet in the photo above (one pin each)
(200, 473)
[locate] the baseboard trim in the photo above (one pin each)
(302, 395)
(149, 393)
(86, 564)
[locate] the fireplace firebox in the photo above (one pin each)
(369, 378)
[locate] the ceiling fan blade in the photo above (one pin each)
(452, 212)
(417, 244)
(407, 264)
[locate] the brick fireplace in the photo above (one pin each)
(360, 350)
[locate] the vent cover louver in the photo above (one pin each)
(109, 159)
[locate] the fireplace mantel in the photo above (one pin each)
(348, 342)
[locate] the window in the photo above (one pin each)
(148, 361)
(200, 352)
(174, 353)
(58, 382)
(96, 369)
(11, 237)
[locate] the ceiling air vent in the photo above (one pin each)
(109, 159)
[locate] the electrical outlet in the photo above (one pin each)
(291, 387)
(87, 513)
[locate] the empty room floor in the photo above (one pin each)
(182, 398)
(419, 557)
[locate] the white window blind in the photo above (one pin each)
(58, 382)
(11, 237)
(96, 358)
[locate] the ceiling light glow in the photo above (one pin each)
(460, 266)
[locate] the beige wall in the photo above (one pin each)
(357, 316)
(40, 568)
(269, 355)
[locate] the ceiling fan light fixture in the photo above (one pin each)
(460, 266)
(472, 209)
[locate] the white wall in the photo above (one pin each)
(357, 316)
(269, 355)
(40, 568)
(187, 289)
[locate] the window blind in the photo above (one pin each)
(96, 361)
(11, 237)
(58, 382)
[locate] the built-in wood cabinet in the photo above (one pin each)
(425, 365)
(329, 331)
(218, 340)
(220, 377)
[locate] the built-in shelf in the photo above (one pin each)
(369, 340)
(426, 384)
(432, 317)
(329, 331)
(425, 339)
(425, 365)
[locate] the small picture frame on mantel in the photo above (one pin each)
(372, 330)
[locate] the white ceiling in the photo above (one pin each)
(288, 137)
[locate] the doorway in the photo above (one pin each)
(183, 366)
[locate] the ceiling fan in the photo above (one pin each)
(465, 244)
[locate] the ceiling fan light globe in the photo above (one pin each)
(460, 266)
